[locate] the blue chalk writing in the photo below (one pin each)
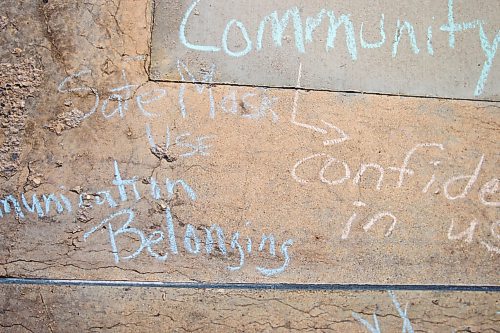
(263, 109)
(235, 244)
(155, 238)
(48, 199)
(303, 31)
(196, 149)
(124, 229)
(407, 327)
(121, 183)
(35, 205)
(155, 189)
(250, 108)
(349, 33)
(244, 33)
(172, 184)
(366, 45)
(182, 32)
(490, 50)
(234, 105)
(272, 244)
(249, 245)
(120, 223)
(279, 270)
(430, 49)
(153, 145)
(59, 203)
(371, 328)
(375, 328)
(209, 244)
(312, 23)
(279, 26)
(7, 201)
(411, 34)
(171, 231)
(451, 27)
(104, 197)
(190, 238)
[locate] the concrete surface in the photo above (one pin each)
(139, 180)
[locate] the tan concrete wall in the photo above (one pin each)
(338, 188)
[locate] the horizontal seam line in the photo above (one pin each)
(248, 286)
(235, 84)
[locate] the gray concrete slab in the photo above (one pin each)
(423, 48)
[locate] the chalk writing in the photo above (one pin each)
(250, 109)
(63, 89)
(64, 201)
(117, 104)
(407, 326)
(370, 223)
(249, 105)
(404, 171)
(303, 32)
(60, 201)
(192, 148)
(192, 241)
(468, 234)
(376, 325)
(378, 44)
(235, 245)
(342, 135)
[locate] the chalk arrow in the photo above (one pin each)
(342, 135)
